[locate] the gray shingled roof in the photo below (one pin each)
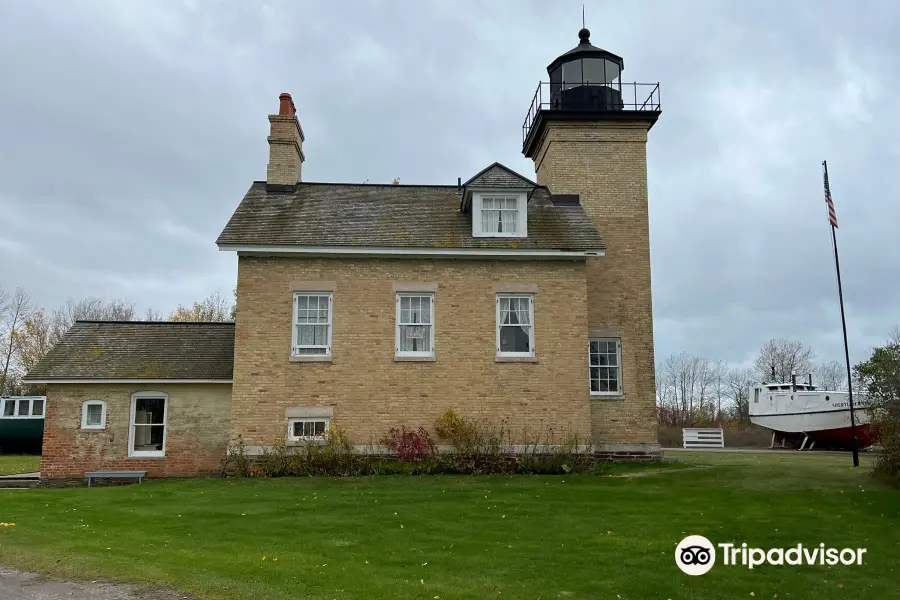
(498, 176)
(392, 216)
(140, 350)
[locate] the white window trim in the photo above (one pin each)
(43, 408)
(618, 342)
(15, 403)
(148, 453)
(84, 414)
(521, 207)
(294, 324)
(306, 438)
(530, 354)
(422, 354)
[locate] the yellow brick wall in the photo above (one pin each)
(368, 391)
(606, 164)
(285, 147)
(197, 428)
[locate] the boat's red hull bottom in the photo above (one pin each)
(832, 438)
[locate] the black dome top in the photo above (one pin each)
(585, 49)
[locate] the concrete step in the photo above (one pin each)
(20, 480)
(19, 483)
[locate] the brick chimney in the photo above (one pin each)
(285, 145)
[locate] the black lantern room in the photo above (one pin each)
(586, 85)
(586, 78)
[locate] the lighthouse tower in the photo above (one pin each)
(586, 132)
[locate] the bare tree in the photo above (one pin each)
(153, 315)
(781, 358)
(32, 339)
(683, 386)
(95, 309)
(831, 375)
(738, 383)
(719, 374)
(4, 304)
(214, 308)
(17, 309)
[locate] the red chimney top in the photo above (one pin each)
(286, 105)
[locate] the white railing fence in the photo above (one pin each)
(703, 437)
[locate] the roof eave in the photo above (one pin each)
(367, 251)
(79, 380)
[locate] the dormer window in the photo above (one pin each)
(499, 214)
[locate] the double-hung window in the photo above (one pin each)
(415, 324)
(500, 214)
(515, 325)
(148, 424)
(312, 324)
(605, 366)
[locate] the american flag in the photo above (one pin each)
(832, 217)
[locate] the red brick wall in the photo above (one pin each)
(198, 424)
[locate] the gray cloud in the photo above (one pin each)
(131, 131)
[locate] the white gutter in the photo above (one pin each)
(154, 381)
(411, 252)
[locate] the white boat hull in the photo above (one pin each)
(810, 422)
(821, 416)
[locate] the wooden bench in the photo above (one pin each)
(703, 437)
(139, 475)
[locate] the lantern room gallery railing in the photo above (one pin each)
(591, 97)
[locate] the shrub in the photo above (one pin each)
(235, 464)
(409, 444)
(333, 456)
(886, 428)
(479, 447)
(447, 424)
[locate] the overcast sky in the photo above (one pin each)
(129, 132)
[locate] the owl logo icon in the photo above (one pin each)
(695, 555)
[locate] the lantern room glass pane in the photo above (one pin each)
(556, 75)
(572, 73)
(593, 71)
(555, 81)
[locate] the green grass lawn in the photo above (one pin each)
(13, 464)
(455, 537)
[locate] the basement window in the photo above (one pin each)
(93, 414)
(307, 429)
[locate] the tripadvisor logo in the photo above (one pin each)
(696, 555)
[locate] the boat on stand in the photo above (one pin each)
(801, 414)
(22, 424)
